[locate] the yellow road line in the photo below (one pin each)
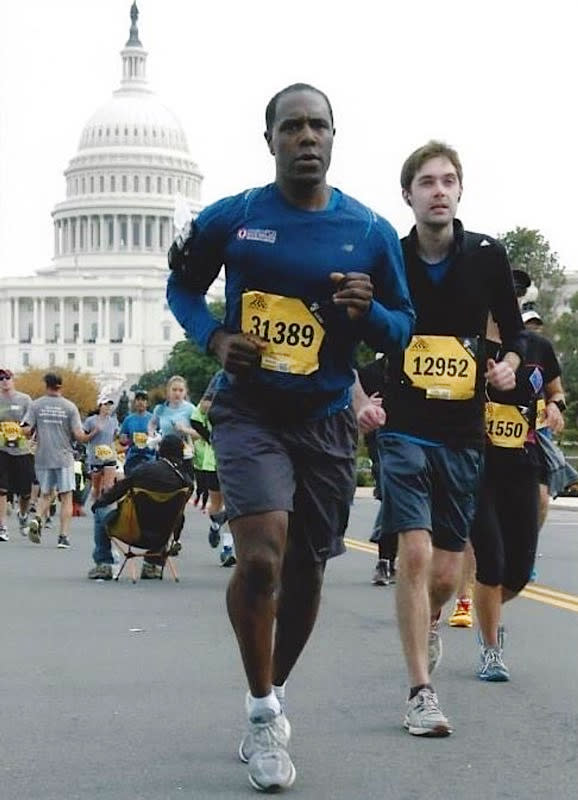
(542, 594)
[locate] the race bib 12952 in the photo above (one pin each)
(443, 366)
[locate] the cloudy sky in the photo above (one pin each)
(497, 80)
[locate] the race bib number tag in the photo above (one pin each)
(443, 366)
(506, 426)
(541, 414)
(11, 434)
(292, 333)
(104, 453)
(140, 440)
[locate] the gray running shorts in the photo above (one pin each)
(305, 467)
(429, 488)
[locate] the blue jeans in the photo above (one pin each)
(102, 553)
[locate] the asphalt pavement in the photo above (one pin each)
(115, 691)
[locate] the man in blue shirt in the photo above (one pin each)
(310, 273)
(134, 434)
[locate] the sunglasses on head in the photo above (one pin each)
(4, 376)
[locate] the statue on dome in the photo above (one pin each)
(133, 38)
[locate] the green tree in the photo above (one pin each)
(566, 340)
(188, 360)
(528, 250)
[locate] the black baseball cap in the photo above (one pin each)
(171, 447)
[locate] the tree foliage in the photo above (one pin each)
(188, 360)
(80, 387)
(566, 341)
(528, 250)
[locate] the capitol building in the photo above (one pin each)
(101, 306)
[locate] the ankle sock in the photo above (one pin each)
(260, 706)
(415, 689)
(280, 692)
(227, 539)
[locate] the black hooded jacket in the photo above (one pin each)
(478, 281)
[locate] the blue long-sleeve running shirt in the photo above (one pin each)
(278, 259)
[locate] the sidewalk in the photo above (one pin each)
(562, 503)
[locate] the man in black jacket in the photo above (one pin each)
(166, 474)
(431, 450)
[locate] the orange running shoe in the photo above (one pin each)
(461, 616)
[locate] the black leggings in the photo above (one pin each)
(505, 529)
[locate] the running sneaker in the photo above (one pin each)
(434, 647)
(384, 573)
(492, 667)
(23, 524)
(461, 616)
(214, 534)
(35, 530)
(100, 572)
(217, 522)
(227, 557)
(63, 541)
(271, 770)
(150, 572)
(424, 716)
(269, 731)
(47, 523)
(4, 534)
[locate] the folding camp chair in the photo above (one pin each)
(127, 527)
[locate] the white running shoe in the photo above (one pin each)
(271, 770)
(424, 716)
(268, 732)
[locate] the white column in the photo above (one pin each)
(107, 318)
(61, 321)
(43, 319)
(17, 319)
(129, 241)
(101, 224)
(35, 319)
(81, 320)
(100, 331)
(116, 233)
(126, 336)
(56, 239)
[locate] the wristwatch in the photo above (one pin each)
(560, 403)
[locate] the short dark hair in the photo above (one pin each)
(53, 380)
(271, 110)
(433, 149)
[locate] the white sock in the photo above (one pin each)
(280, 691)
(260, 704)
(227, 539)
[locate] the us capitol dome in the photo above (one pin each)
(101, 306)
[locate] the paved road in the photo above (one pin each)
(94, 710)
